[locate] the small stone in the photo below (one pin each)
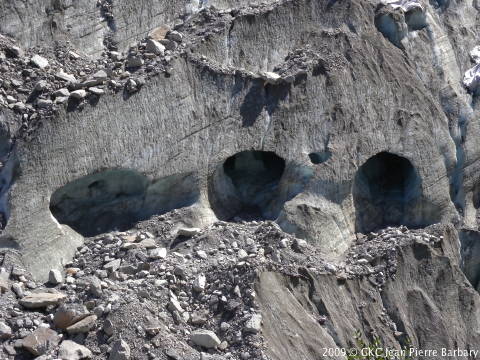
(5, 331)
(42, 300)
(202, 254)
(14, 51)
(41, 85)
(96, 91)
(62, 93)
(4, 284)
(78, 94)
(254, 324)
(40, 341)
(271, 77)
(200, 283)
(113, 265)
(120, 351)
(65, 77)
(189, 232)
(83, 326)
(108, 327)
(205, 338)
(175, 36)
(17, 288)
(299, 245)
(148, 244)
(44, 104)
(159, 33)
(68, 314)
(55, 277)
(174, 305)
(95, 286)
(100, 75)
(152, 326)
(155, 47)
(242, 254)
(134, 62)
(39, 61)
(70, 350)
(158, 253)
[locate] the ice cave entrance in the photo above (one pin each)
(246, 186)
(116, 199)
(387, 191)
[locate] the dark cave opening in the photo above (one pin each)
(320, 157)
(116, 199)
(247, 186)
(470, 255)
(386, 192)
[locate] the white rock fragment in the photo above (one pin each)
(254, 324)
(475, 54)
(405, 5)
(158, 253)
(39, 61)
(55, 277)
(205, 338)
(65, 77)
(78, 94)
(189, 232)
(70, 350)
(200, 283)
(471, 79)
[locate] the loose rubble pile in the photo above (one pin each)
(163, 292)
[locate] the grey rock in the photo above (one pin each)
(42, 300)
(39, 61)
(154, 47)
(175, 36)
(41, 85)
(120, 351)
(44, 103)
(254, 324)
(40, 341)
(17, 288)
(70, 350)
(65, 77)
(95, 286)
(205, 338)
(68, 314)
(62, 93)
(158, 253)
(5, 331)
(78, 94)
(96, 91)
(134, 62)
(83, 326)
(108, 327)
(189, 232)
(113, 265)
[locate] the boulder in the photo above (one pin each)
(42, 300)
(40, 341)
(70, 350)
